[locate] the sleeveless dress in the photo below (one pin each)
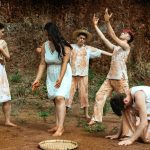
(53, 71)
(4, 85)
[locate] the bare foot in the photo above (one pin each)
(59, 132)
(10, 124)
(92, 122)
(54, 129)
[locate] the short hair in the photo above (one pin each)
(1, 26)
(130, 33)
(82, 33)
(117, 103)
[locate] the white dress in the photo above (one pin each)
(4, 85)
(53, 72)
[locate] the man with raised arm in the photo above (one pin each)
(117, 78)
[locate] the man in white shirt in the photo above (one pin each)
(80, 56)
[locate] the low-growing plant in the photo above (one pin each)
(36, 92)
(96, 128)
(16, 77)
(114, 130)
(44, 115)
(91, 74)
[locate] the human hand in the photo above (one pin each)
(116, 136)
(35, 85)
(38, 50)
(125, 142)
(107, 16)
(58, 83)
(95, 20)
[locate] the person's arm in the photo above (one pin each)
(111, 32)
(41, 69)
(4, 51)
(95, 52)
(65, 61)
(141, 107)
(117, 135)
(101, 35)
(106, 53)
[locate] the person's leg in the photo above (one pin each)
(101, 96)
(54, 129)
(72, 92)
(7, 110)
(146, 134)
(83, 94)
(86, 112)
(120, 86)
(61, 112)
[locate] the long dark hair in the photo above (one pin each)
(117, 103)
(57, 38)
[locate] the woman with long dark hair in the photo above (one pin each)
(55, 56)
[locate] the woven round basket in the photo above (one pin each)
(58, 145)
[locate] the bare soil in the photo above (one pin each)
(32, 129)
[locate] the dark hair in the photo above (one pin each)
(1, 26)
(82, 33)
(57, 38)
(117, 103)
(131, 38)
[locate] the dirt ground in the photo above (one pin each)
(32, 129)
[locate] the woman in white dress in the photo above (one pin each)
(55, 56)
(5, 96)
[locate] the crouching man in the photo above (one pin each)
(135, 111)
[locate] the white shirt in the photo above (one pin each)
(146, 90)
(80, 58)
(118, 69)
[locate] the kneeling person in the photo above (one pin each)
(135, 111)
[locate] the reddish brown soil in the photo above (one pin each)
(33, 130)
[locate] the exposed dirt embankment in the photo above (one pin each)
(25, 19)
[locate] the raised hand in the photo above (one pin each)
(95, 20)
(107, 16)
